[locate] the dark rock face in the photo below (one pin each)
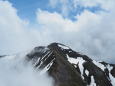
(113, 71)
(2, 56)
(70, 68)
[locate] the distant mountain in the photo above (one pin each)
(71, 68)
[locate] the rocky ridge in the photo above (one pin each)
(71, 68)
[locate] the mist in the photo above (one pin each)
(15, 71)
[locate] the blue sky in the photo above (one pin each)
(27, 9)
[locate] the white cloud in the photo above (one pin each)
(14, 36)
(14, 71)
(51, 20)
(91, 33)
(73, 5)
(64, 5)
(10, 27)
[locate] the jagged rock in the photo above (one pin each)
(70, 68)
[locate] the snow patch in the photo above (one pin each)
(92, 81)
(112, 79)
(47, 67)
(110, 76)
(78, 61)
(63, 47)
(99, 65)
(86, 72)
(41, 60)
(70, 51)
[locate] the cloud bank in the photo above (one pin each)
(91, 33)
(14, 71)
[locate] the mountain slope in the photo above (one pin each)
(70, 68)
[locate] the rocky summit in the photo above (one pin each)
(71, 68)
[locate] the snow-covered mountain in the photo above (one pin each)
(70, 68)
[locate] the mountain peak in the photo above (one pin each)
(59, 45)
(70, 68)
